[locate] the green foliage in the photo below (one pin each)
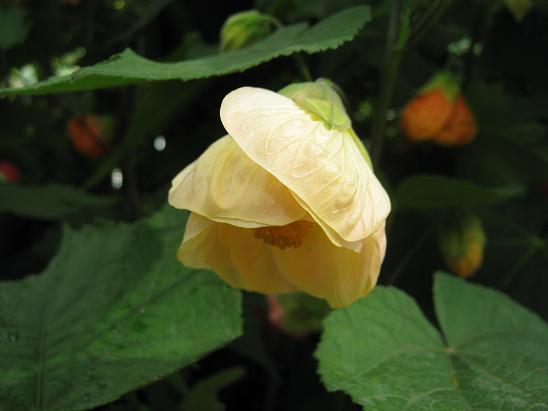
(14, 26)
(203, 395)
(434, 191)
(113, 311)
(383, 352)
(129, 68)
(114, 318)
(52, 202)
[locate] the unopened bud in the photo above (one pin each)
(462, 243)
(244, 28)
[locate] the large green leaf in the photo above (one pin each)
(51, 202)
(114, 311)
(383, 352)
(434, 191)
(130, 68)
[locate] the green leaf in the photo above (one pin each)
(114, 311)
(14, 26)
(384, 353)
(203, 395)
(129, 68)
(434, 191)
(52, 202)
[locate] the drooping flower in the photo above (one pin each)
(439, 113)
(460, 128)
(90, 134)
(287, 200)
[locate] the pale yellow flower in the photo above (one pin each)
(283, 203)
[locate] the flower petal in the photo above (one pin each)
(324, 168)
(336, 274)
(233, 253)
(226, 186)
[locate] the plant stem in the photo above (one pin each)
(303, 68)
(408, 257)
(518, 266)
(391, 64)
(433, 18)
(297, 58)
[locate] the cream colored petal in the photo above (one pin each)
(239, 258)
(324, 168)
(226, 186)
(336, 274)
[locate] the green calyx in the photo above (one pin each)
(244, 28)
(444, 81)
(322, 101)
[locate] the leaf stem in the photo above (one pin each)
(303, 68)
(297, 58)
(435, 13)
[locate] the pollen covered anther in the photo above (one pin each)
(289, 235)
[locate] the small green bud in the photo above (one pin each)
(244, 28)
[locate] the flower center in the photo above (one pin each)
(289, 235)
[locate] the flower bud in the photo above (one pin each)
(244, 28)
(9, 173)
(91, 134)
(462, 242)
(424, 116)
(296, 314)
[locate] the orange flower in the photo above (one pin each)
(425, 115)
(88, 135)
(439, 113)
(460, 128)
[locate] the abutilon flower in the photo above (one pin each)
(439, 113)
(460, 128)
(287, 200)
(90, 134)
